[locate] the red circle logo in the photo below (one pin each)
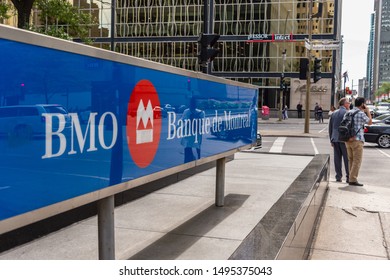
(143, 124)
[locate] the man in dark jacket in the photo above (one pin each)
(339, 149)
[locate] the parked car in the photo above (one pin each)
(381, 119)
(26, 121)
(378, 133)
(380, 110)
(386, 104)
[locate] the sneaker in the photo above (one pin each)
(355, 184)
(338, 180)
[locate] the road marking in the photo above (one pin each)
(322, 130)
(314, 146)
(278, 145)
(382, 152)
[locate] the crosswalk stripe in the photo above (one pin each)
(383, 153)
(278, 145)
(314, 146)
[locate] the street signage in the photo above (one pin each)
(307, 45)
(322, 45)
(266, 38)
(325, 47)
(88, 123)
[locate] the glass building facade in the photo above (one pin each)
(167, 31)
(382, 43)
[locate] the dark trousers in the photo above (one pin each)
(340, 154)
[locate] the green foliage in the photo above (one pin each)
(4, 10)
(385, 88)
(60, 19)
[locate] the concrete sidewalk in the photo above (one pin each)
(355, 224)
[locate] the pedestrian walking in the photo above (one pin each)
(299, 110)
(320, 115)
(316, 112)
(285, 112)
(340, 154)
(355, 145)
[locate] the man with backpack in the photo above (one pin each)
(339, 149)
(361, 116)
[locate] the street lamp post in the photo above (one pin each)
(307, 105)
(284, 53)
(113, 14)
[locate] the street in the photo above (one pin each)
(376, 161)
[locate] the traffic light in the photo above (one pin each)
(206, 50)
(282, 81)
(303, 64)
(281, 84)
(317, 69)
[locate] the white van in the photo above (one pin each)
(26, 121)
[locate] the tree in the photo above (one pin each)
(384, 89)
(4, 9)
(60, 19)
(23, 8)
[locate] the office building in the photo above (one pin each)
(259, 39)
(381, 71)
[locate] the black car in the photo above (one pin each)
(381, 119)
(378, 133)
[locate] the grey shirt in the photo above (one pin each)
(334, 123)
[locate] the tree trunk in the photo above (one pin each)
(23, 8)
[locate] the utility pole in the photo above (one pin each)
(282, 80)
(307, 105)
(113, 14)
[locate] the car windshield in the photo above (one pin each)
(382, 117)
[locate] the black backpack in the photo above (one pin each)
(347, 127)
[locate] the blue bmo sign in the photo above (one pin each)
(76, 121)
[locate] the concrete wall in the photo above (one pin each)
(320, 93)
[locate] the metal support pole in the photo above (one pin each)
(284, 54)
(106, 232)
(205, 68)
(307, 105)
(220, 183)
(280, 103)
(112, 38)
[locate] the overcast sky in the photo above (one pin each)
(355, 27)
